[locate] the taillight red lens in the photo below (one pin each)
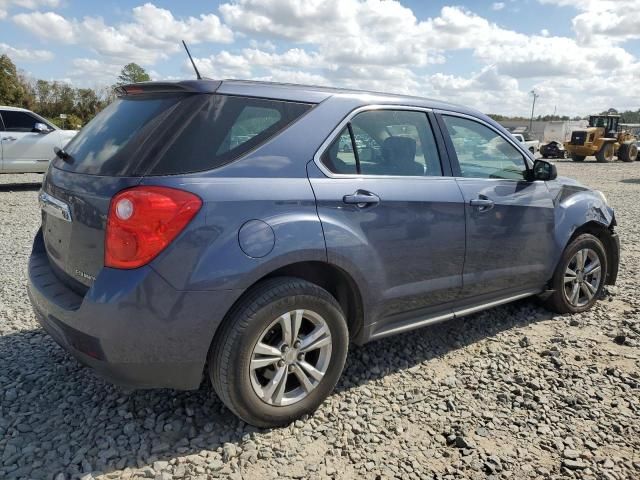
(142, 221)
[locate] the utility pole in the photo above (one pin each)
(535, 96)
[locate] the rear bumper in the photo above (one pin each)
(131, 327)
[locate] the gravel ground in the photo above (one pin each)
(513, 392)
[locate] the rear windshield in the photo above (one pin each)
(165, 135)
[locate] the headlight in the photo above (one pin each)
(602, 196)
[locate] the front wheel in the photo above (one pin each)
(579, 278)
(280, 352)
(606, 153)
(578, 158)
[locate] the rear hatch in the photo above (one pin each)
(108, 155)
(152, 129)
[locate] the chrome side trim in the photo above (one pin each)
(454, 314)
(495, 303)
(412, 326)
(54, 207)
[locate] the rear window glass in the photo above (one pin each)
(104, 146)
(164, 135)
(223, 128)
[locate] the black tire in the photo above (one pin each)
(545, 156)
(628, 152)
(578, 158)
(232, 348)
(558, 301)
(606, 153)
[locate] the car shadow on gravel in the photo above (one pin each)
(53, 408)
(20, 187)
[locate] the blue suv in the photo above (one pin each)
(224, 228)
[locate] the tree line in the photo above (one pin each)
(628, 116)
(50, 99)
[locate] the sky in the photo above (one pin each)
(580, 56)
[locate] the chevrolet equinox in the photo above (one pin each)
(251, 231)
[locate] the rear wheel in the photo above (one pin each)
(280, 352)
(628, 152)
(578, 158)
(579, 278)
(606, 153)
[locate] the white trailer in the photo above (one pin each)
(560, 132)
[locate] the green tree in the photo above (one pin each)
(132, 73)
(13, 89)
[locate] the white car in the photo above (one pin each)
(532, 145)
(27, 141)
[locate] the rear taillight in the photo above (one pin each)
(142, 221)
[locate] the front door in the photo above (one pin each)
(510, 220)
(388, 212)
(24, 150)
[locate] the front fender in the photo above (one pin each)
(575, 207)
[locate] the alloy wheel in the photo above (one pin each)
(291, 357)
(582, 277)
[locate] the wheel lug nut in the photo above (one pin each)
(301, 356)
(284, 348)
(281, 363)
(290, 368)
(297, 344)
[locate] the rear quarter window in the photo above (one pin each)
(221, 129)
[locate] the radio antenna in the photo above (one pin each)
(198, 76)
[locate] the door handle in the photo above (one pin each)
(361, 198)
(483, 203)
(9, 139)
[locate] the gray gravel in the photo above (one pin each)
(510, 393)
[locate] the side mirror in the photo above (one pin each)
(543, 170)
(41, 128)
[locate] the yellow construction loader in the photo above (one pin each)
(603, 138)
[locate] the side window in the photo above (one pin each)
(395, 142)
(387, 142)
(251, 122)
(340, 157)
(482, 153)
(18, 121)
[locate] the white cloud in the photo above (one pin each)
(26, 55)
(5, 5)
(153, 34)
(497, 6)
(603, 20)
(47, 25)
(370, 44)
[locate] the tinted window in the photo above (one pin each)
(104, 146)
(340, 157)
(18, 121)
(222, 128)
(172, 134)
(387, 142)
(482, 153)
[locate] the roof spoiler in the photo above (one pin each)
(187, 86)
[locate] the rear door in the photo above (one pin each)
(23, 149)
(389, 212)
(509, 219)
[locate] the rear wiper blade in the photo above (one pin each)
(62, 154)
